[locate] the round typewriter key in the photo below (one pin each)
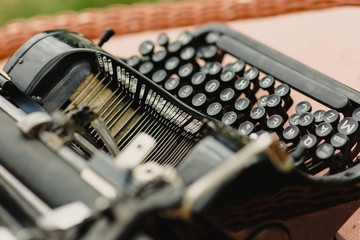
(212, 38)
(324, 130)
(199, 100)
(185, 38)
(134, 61)
(212, 86)
(159, 76)
(242, 85)
(243, 105)
(332, 117)
(227, 96)
(229, 118)
(258, 114)
(309, 141)
(159, 57)
(324, 151)
(214, 110)
(303, 107)
(214, 69)
(275, 122)
(246, 128)
(227, 76)
(146, 48)
(273, 101)
(198, 79)
(262, 100)
(163, 40)
(306, 120)
(339, 140)
(267, 83)
(146, 68)
(186, 71)
(283, 91)
(172, 84)
(348, 126)
(207, 53)
(356, 114)
(319, 116)
(185, 92)
(291, 134)
(238, 67)
(252, 74)
(174, 48)
(187, 54)
(172, 64)
(294, 119)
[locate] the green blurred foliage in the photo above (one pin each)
(12, 9)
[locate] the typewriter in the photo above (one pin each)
(194, 138)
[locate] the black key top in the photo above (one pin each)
(199, 101)
(163, 40)
(207, 53)
(159, 76)
(212, 88)
(356, 114)
(134, 62)
(332, 117)
(243, 105)
(339, 141)
(306, 121)
(258, 114)
(294, 119)
(303, 107)
(227, 77)
(273, 105)
(291, 134)
(172, 84)
(325, 151)
(159, 58)
(172, 65)
(188, 55)
(262, 100)
(267, 83)
(146, 48)
(238, 67)
(212, 38)
(185, 38)
(185, 72)
(283, 91)
(348, 126)
(214, 110)
(242, 85)
(324, 131)
(246, 128)
(309, 141)
(253, 75)
(275, 123)
(147, 68)
(319, 116)
(198, 80)
(214, 70)
(174, 48)
(229, 118)
(227, 97)
(185, 92)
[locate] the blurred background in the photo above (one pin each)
(13, 9)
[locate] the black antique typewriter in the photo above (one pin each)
(195, 138)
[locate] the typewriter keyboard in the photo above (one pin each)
(221, 75)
